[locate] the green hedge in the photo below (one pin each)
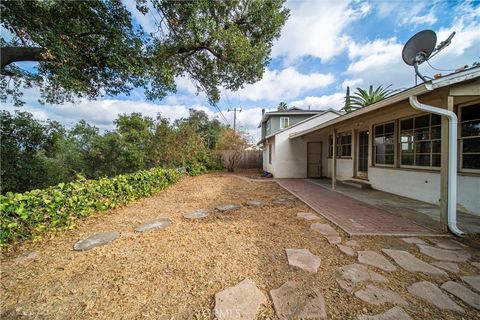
(30, 214)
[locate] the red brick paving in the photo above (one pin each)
(353, 216)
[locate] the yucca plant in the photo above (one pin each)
(362, 98)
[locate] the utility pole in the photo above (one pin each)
(235, 110)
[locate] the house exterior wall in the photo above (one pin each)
(266, 165)
(421, 183)
(290, 159)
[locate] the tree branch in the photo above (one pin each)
(15, 54)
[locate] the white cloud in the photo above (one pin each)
(333, 101)
(373, 54)
(352, 83)
(283, 85)
(147, 21)
(426, 19)
(316, 28)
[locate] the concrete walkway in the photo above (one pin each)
(353, 216)
(423, 213)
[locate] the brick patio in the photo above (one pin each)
(351, 215)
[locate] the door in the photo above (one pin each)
(314, 159)
(362, 154)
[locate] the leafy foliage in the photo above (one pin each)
(33, 213)
(93, 48)
(362, 98)
(36, 155)
(282, 106)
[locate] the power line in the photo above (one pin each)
(235, 110)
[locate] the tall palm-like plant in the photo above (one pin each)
(362, 98)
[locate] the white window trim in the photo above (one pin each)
(460, 140)
(281, 122)
(406, 166)
(374, 153)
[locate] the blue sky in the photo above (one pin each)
(325, 46)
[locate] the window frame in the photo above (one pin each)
(399, 141)
(339, 145)
(395, 139)
(281, 122)
(460, 140)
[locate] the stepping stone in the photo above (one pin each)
(307, 216)
(377, 296)
(447, 244)
(414, 240)
(396, 313)
(241, 301)
(475, 264)
(449, 266)
(431, 293)
(352, 243)
(324, 228)
(303, 259)
(375, 259)
(410, 263)
(444, 254)
(292, 301)
(96, 240)
(256, 203)
(281, 201)
(197, 214)
(228, 207)
(353, 274)
(29, 256)
(463, 293)
(157, 224)
(334, 239)
(473, 281)
(346, 249)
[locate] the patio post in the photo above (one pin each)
(444, 169)
(334, 160)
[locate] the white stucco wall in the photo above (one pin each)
(425, 186)
(290, 159)
(266, 165)
(344, 169)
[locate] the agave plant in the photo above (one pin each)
(362, 98)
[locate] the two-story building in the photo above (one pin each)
(280, 155)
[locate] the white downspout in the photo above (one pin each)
(452, 159)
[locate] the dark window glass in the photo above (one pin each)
(407, 159)
(422, 122)
(436, 160)
(422, 160)
(378, 130)
(389, 127)
(380, 159)
(422, 147)
(406, 124)
(471, 128)
(436, 146)
(471, 145)
(436, 132)
(471, 112)
(436, 119)
(471, 161)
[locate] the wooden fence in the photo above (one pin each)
(246, 159)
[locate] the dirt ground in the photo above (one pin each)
(175, 273)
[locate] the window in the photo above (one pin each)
(344, 145)
(268, 127)
(420, 141)
(470, 137)
(270, 154)
(384, 143)
(284, 122)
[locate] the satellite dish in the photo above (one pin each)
(421, 47)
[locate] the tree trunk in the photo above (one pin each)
(15, 54)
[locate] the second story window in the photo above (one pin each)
(284, 122)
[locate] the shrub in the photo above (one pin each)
(31, 214)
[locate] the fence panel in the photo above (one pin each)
(246, 159)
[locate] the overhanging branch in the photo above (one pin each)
(15, 54)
